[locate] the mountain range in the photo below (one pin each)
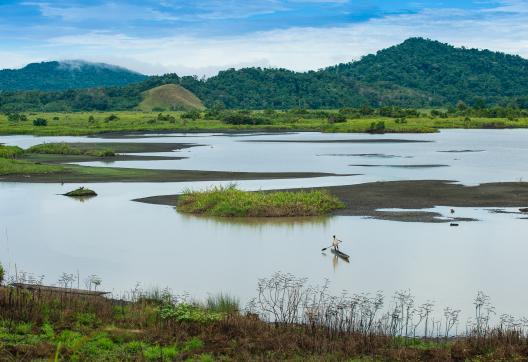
(416, 73)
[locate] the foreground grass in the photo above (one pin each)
(60, 326)
(91, 123)
(232, 202)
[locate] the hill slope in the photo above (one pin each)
(169, 97)
(416, 73)
(66, 75)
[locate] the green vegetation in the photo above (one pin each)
(223, 303)
(417, 73)
(289, 320)
(25, 168)
(10, 151)
(66, 75)
(395, 119)
(231, 202)
(169, 97)
(81, 192)
(66, 149)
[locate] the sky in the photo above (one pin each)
(201, 37)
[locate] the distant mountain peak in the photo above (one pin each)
(66, 74)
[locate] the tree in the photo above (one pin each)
(2, 274)
(40, 122)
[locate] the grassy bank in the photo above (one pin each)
(91, 123)
(287, 321)
(45, 163)
(232, 202)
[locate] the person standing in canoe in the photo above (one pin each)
(335, 243)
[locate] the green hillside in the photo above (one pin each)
(418, 73)
(169, 97)
(72, 74)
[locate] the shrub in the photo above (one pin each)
(184, 312)
(40, 122)
(377, 127)
(193, 115)
(244, 118)
(336, 118)
(111, 118)
(16, 117)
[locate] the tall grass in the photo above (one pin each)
(54, 149)
(231, 202)
(10, 151)
(66, 149)
(223, 303)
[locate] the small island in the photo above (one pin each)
(81, 192)
(232, 202)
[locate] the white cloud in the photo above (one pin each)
(295, 48)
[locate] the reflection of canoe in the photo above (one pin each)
(340, 254)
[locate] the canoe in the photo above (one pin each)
(340, 254)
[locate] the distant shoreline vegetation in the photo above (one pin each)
(231, 202)
(217, 119)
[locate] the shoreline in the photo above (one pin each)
(366, 200)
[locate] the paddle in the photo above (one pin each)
(340, 241)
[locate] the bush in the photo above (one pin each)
(111, 118)
(336, 118)
(40, 122)
(244, 118)
(193, 115)
(377, 127)
(16, 117)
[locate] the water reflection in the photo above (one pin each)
(259, 222)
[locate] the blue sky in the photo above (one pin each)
(203, 36)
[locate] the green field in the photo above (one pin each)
(91, 123)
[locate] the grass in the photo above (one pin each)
(66, 149)
(25, 168)
(232, 202)
(169, 96)
(11, 152)
(81, 192)
(40, 325)
(91, 123)
(223, 303)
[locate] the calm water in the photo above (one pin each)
(127, 242)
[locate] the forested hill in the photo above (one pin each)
(71, 74)
(416, 73)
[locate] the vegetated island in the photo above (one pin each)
(45, 164)
(231, 202)
(81, 192)
(370, 199)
